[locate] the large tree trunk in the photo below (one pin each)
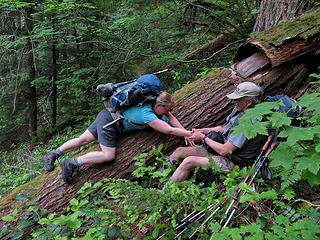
(199, 104)
(31, 90)
(54, 75)
(273, 12)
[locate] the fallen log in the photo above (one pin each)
(201, 103)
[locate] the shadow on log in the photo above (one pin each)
(199, 104)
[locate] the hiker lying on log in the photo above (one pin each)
(217, 142)
(156, 115)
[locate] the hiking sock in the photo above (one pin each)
(78, 161)
(58, 152)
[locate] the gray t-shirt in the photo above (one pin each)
(247, 150)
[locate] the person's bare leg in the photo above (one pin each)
(68, 146)
(75, 143)
(106, 155)
(187, 165)
(182, 153)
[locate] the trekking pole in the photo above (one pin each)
(264, 149)
(238, 191)
(211, 215)
(193, 215)
(186, 220)
(189, 219)
(161, 71)
(200, 215)
(236, 206)
(235, 197)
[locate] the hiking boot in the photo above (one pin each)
(49, 160)
(68, 166)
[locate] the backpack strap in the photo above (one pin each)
(117, 116)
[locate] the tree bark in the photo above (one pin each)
(273, 12)
(199, 104)
(32, 91)
(54, 74)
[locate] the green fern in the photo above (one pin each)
(289, 176)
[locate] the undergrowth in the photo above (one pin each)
(21, 165)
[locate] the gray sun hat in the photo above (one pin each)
(245, 89)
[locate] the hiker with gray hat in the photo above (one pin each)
(218, 142)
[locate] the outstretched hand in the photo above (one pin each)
(197, 134)
(188, 140)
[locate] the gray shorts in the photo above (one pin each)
(224, 163)
(106, 136)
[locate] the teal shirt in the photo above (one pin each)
(142, 115)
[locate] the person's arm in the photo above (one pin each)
(216, 129)
(174, 122)
(165, 128)
(221, 149)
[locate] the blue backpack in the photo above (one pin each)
(119, 96)
(286, 106)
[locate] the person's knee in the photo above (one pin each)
(108, 156)
(179, 152)
(188, 163)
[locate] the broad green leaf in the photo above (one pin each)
(44, 221)
(269, 194)
(74, 202)
(9, 219)
(246, 187)
(75, 224)
(312, 163)
(251, 130)
(62, 219)
(283, 156)
(311, 178)
(98, 184)
(311, 101)
(317, 148)
(279, 119)
(84, 187)
(296, 134)
(282, 220)
(234, 234)
(15, 212)
(247, 198)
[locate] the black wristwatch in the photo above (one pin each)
(203, 139)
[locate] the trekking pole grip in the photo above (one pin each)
(273, 146)
(265, 146)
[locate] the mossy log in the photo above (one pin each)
(199, 104)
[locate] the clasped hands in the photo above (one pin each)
(196, 136)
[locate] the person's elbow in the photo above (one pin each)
(227, 148)
(223, 153)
